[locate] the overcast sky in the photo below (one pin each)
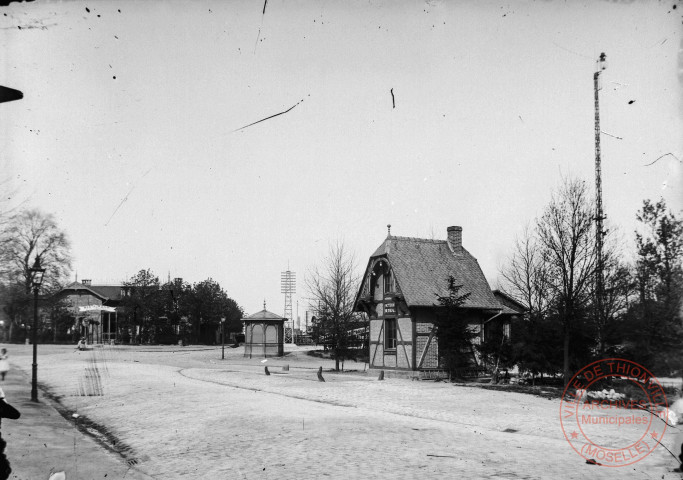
(130, 127)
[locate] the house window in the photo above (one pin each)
(506, 330)
(388, 282)
(390, 334)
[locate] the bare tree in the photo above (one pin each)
(332, 287)
(33, 234)
(525, 276)
(567, 240)
(25, 236)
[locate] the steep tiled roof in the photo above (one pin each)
(422, 267)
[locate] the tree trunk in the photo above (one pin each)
(565, 366)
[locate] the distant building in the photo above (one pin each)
(399, 294)
(94, 308)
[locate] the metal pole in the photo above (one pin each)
(223, 338)
(599, 271)
(34, 379)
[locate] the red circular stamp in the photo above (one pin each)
(619, 426)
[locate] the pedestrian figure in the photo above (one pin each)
(4, 363)
(6, 411)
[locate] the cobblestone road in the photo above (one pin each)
(195, 418)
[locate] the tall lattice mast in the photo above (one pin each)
(599, 214)
(288, 287)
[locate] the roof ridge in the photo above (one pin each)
(416, 239)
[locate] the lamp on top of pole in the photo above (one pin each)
(37, 273)
(599, 213)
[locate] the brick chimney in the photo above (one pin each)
(455, 239)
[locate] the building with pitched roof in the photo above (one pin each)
(94, 308)
(399, 293)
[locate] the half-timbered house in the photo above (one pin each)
(399, 293)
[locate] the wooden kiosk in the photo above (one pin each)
(264, 334)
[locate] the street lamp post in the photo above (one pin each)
(37, 279)
(223, 338)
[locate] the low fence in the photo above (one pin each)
(465, 372)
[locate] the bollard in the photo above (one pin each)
(381, 375)
(267, 372)
(320, 375)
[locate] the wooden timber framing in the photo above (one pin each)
(426, 349)
(377, 343)
(398, 330)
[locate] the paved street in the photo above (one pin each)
(184, 413)
(43, 441)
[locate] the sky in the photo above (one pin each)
(421, 115)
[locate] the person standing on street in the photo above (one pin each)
(6, 411)
(4, 363)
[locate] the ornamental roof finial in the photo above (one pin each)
(389, 230)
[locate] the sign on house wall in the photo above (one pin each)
(389, 307)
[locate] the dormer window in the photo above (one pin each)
(388, 282)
